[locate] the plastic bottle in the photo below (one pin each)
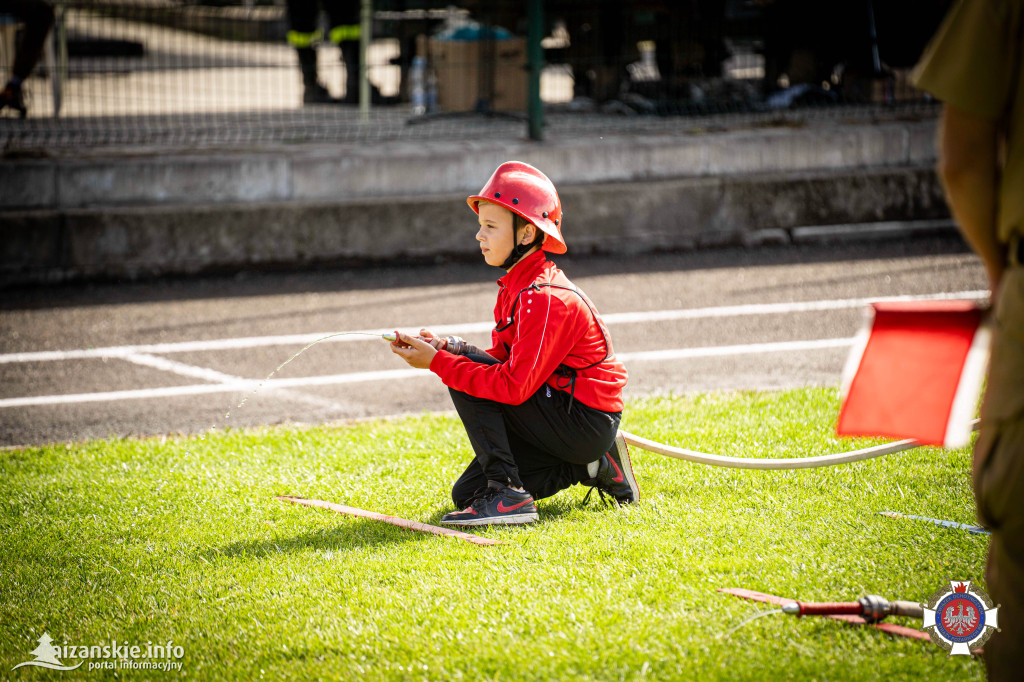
(431, 91)
(418, 85)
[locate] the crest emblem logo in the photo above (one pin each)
(960, 617)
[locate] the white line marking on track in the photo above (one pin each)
(244, 386)
(474, 327)
(180, 368)
(400, 374)
(724, 351)
(226, 379)
(777, 308)
(213, 375)
(184, 347)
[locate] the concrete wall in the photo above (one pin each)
(685, 213)
(138, 215)
(401, 169)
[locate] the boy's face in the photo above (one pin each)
(495, 233)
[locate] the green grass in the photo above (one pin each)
(180, 539)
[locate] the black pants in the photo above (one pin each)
(302, 14)
(37, 16)
(540, 445)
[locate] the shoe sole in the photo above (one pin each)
(509, 520)
(627, 466)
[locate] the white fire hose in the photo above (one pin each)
(771, 463)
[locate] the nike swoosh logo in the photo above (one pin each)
(502, 509)
(620, 477)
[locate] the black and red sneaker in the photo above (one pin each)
(498, 505)
(615, 474)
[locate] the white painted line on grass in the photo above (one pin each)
(475, 327)
(400, 374)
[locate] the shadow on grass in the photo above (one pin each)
(349, 534)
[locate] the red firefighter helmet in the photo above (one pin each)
(526, 191)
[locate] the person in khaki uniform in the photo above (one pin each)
(975, 65)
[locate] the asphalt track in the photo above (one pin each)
(164, 357)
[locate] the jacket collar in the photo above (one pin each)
(524, 272)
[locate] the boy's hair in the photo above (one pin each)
(520, 223)
(518, 250)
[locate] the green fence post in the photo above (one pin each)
(535, 55)
(365, 29)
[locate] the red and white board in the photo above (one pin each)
(916, 371)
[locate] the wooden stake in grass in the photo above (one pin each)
(393, 520)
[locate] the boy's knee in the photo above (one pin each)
(462, 397)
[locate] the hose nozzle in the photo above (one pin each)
(871, 608)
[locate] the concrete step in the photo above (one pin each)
(403, 168)
(109, 242)
(140, 213)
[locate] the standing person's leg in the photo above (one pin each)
(999, 478)
(303, 35)
(344, 32)
(38, 18)
(1004, 571)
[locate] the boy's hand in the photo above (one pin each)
(433, 339)
(414, 350)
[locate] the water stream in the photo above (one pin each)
(753, 617)
(227, 415)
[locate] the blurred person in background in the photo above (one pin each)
(37, 17)
(344, 31)
(975, 65)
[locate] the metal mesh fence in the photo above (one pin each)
(165, 72)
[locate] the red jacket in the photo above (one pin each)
(553, 329)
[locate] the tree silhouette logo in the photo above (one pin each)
(46, 656)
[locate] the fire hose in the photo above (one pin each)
(772, 463)
(871, 608)
(868, 611)
(768, 463)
